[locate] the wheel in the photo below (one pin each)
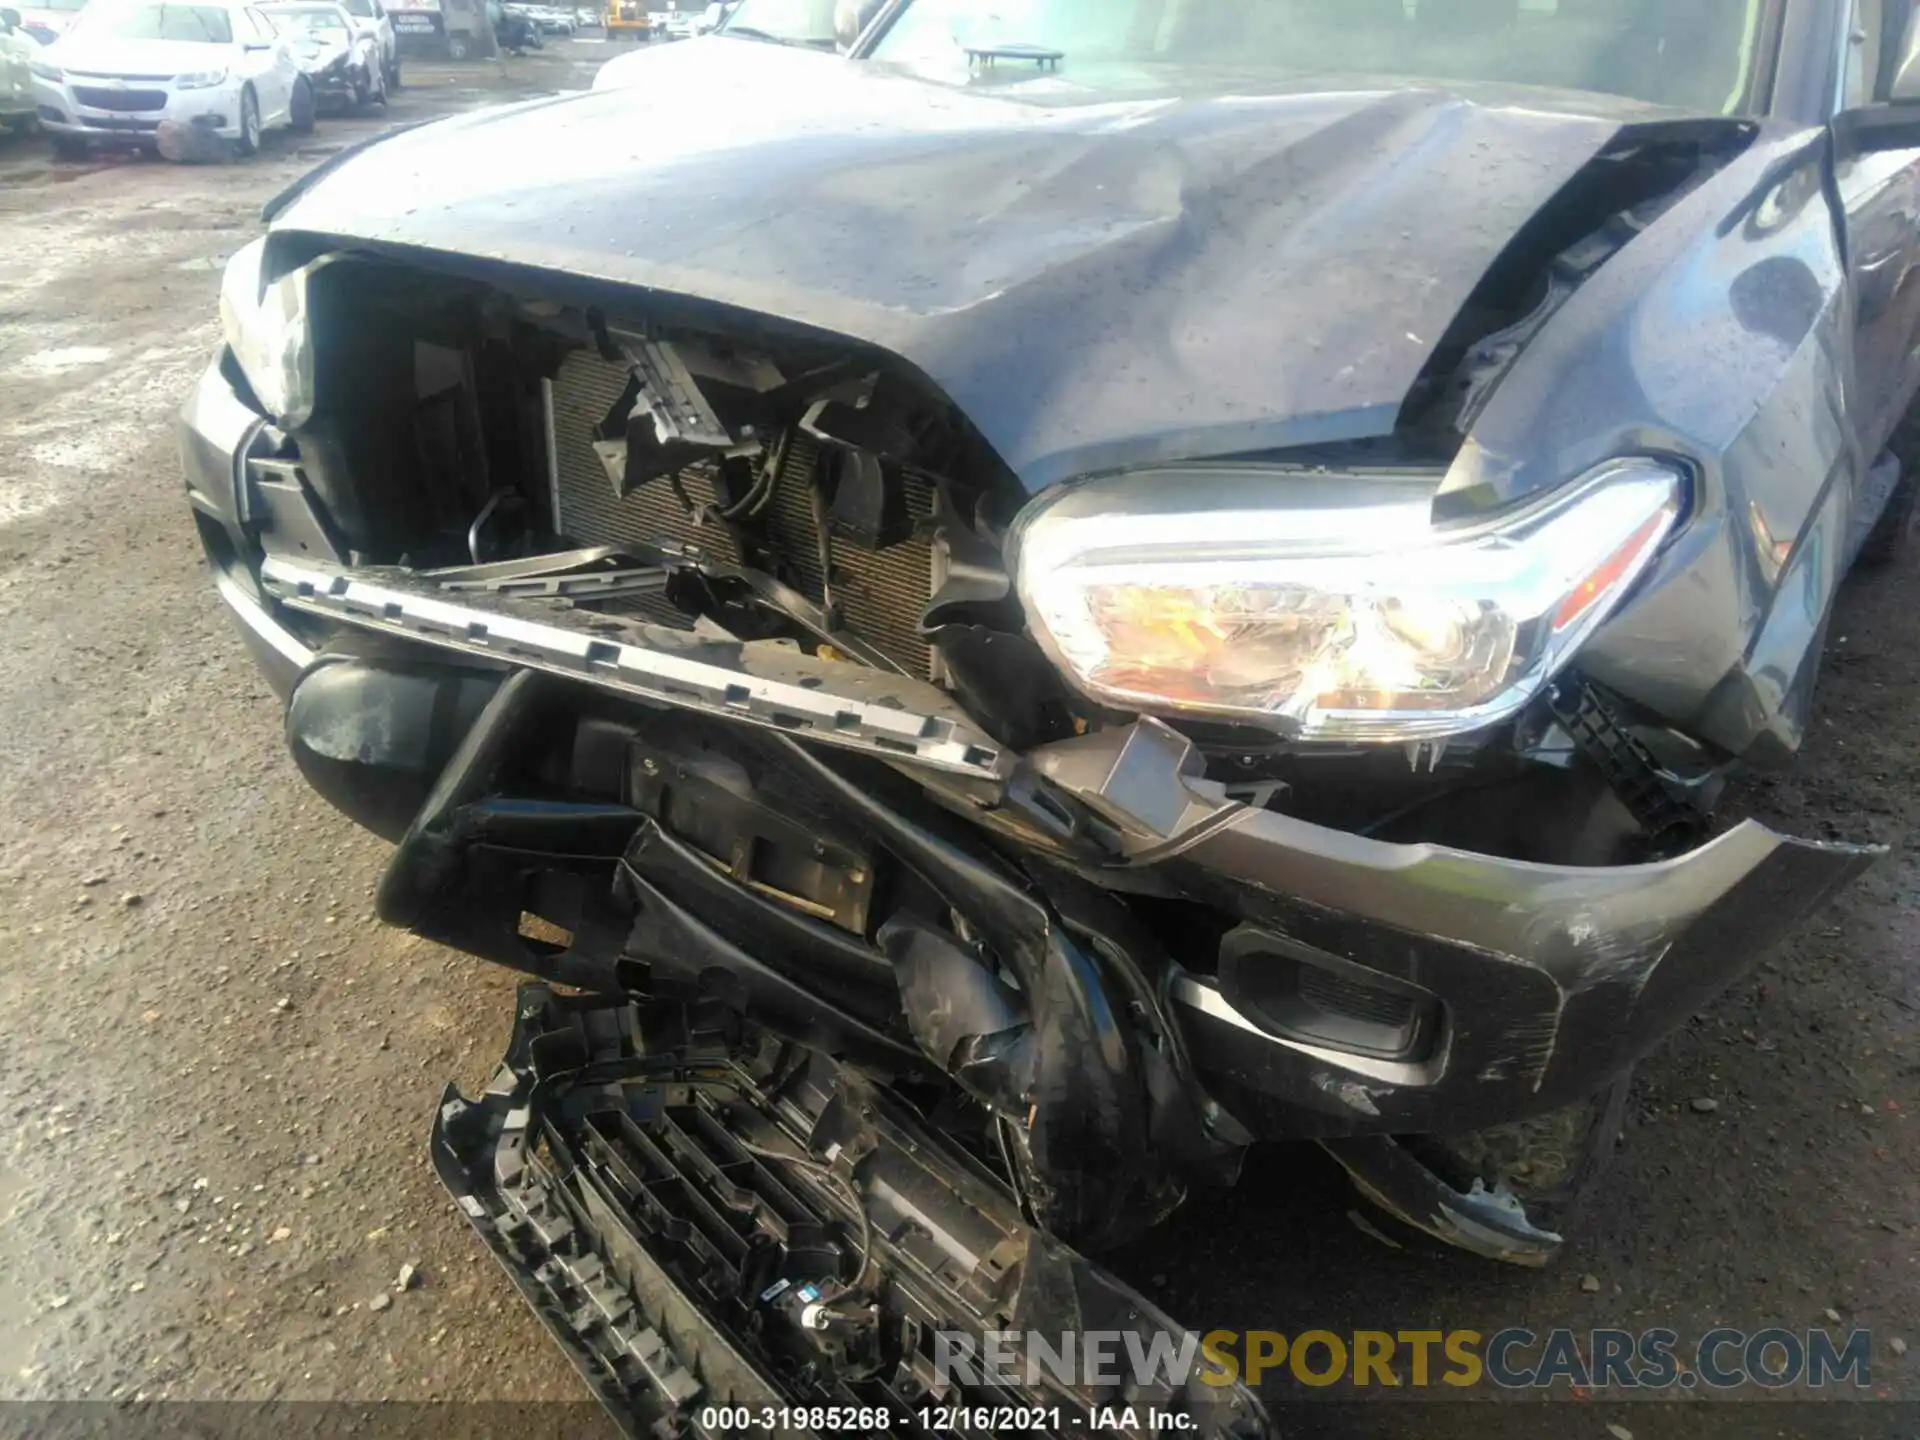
(393, 76)
(362, 90)
(379, 86)
(249, 142)
(66, 147)
(303, 107)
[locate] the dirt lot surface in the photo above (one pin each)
(217, 1072)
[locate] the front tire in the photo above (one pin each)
(66, 147)
(248, 145)
(303, 108)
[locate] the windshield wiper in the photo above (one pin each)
(754, 33)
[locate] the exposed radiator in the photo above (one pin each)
(881, 594)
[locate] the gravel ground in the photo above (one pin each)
(218, 1071)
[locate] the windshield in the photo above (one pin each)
(66, 7)
(362, 8)
(200, 24)
(1698, 55)
(801, 22)
(309, 19)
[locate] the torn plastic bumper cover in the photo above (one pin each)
(1494, 988)
(1362, 989)
(708, 1220)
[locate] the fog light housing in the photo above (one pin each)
(1298, 993)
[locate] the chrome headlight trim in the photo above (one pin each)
(1325, 606)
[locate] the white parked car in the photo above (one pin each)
(370, 18)
(343, 65)
(17, 49)
(194, 79)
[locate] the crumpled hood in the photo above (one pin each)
(1094, 284)
(313, 53)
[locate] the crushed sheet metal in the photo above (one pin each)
(802, 701)
(1490, 1223)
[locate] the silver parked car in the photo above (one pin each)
(370, 18)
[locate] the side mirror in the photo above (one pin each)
(1893, 123)
(10, 19)
(1878, 128)
(850, 20)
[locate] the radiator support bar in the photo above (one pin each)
(768, 684)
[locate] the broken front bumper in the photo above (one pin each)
(727, 1243)
(1364, 988)
(1523, 987)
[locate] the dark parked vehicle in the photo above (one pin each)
(514, 29)
(1064, 602)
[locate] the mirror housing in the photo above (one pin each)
(850, 20)
(1893, 123)
(10, 19)
(1876, 128)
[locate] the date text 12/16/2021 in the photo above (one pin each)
(997, 1419)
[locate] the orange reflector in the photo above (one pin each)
(1608, 573)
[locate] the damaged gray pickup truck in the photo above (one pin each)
(1001, 618)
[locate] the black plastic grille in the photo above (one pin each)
(130, 101)
(1337, 995)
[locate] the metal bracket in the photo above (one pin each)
(773, 686)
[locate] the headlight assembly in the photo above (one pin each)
(40, 69)
(200, 80)
(266, 327)
(1327, 607)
